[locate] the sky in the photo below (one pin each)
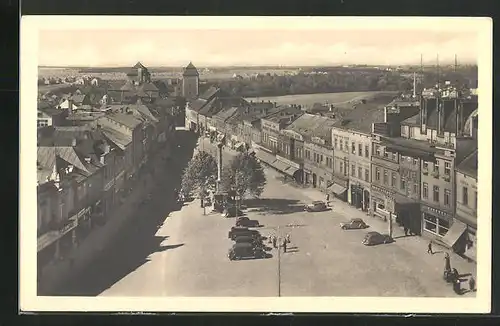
(247, 47)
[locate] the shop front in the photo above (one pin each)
(288, 168)
(436, 223)
(408, 214)
(382, 203)
(356, 194)
(339, 188)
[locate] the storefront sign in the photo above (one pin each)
(436, 212)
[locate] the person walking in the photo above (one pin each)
(288, 238)
(406, 231)
(429, 248)
(447, 263)
(284, 245)
(472, 284)
(327, 199)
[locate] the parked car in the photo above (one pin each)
(316, 206)
(375, 238)
(353, 223)
(245, 221)
(245, 251)
(237, 231)
(256, 242)
(231, 211)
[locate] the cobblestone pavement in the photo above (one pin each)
(189, 255)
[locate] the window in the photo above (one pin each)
(436, 225)
(447, 194)
(415, 161)
(415, 188)
(341, 145)
(377, 174)
(360, 150)
(465, 196)
(321, 158)
(335, 142)
(436, 167)
(367, 175)
(425, 166)
(435, 193)
(447, 168)
(386, 153)
(393, 179)
(403, 184)
(360, 173)
(346, 149)
(425, 190)
(394, 156)
(386, 177)
(367, 151)
(353, 170)
(341, 167)
(308, 154)
(377, 150)
(353, 148)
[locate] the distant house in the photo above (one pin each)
(73, 102)
(48, 115)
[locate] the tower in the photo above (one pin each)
(190, 82)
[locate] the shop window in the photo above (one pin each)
(393, 179)
(430, 223)
(386, 177)
(360, 173)
(465, 196)
(377, 174)
(435, 193)
(447, 194)
(425, 190)
(443, 226)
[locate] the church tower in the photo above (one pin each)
(190, 82)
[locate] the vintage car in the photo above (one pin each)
(353, 223)
(245, 221)
(316, 206)
(237, 231)
(245, 251)
(256, 242)
(375, 238)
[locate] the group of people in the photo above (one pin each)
(451, 275)
(277, 242)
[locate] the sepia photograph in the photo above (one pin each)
(309, 164)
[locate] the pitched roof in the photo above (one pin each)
(144, 110)
(78, 98)
(118, 138)
(148, 87)
(226, 113)
(363, 115)
(128, 120)
(190, 70)
(128, 86)
(139, 65)
(310, 125)
(284, 112)
(209, 93)
(469, 164)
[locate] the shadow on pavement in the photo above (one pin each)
(137, 240)
(274, 206)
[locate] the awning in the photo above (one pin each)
(291, 171)
(280, 165)
(456, 230)
(337, 189)
(265, 157)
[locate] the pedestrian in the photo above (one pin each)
(284, 245)
(406, 231)
(288, 238)
(447, 263)
(274, 242)
(456, 286)
(429, 248)
(327, 199)
(472, 284)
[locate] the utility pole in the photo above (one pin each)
(279, 262)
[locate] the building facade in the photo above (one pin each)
(340, 141)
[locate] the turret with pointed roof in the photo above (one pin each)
(190, 70)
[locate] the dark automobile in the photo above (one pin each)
(256, 242)
(354, 223)
(245, 221)
(316, 206)
(231, 211)
(245, 251)
(237, 231)
(375, 238)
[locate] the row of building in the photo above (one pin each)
(412, 161)
(90, 153)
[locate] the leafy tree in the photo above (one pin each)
(244, 175)
(201, 174)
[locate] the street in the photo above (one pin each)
(181, 252)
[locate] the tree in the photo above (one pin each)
(244, 175)
(201, 174)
